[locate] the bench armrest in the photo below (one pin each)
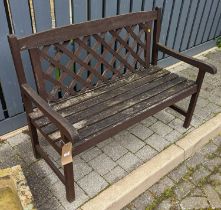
(187, 59)
(63, 125)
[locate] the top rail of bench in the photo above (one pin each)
(73, 31)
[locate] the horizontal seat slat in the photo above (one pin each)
(91, 124)
(143, 112)
(113, 120)
(134, 92)
(126, 104)
(111, 95)
(107, 114)
(65, 104)
(110, 104)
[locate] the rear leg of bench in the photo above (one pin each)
(189, 113)
(190, 110)
(34, 138)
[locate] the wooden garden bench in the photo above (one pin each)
(95, 79)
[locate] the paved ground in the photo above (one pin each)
(194, 184)
(109, 161)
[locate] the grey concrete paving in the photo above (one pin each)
(189, 186)
(110, 160)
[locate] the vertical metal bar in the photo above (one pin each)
(171, 36)
(203, 22)
(10, 87)
(42, 15)
(207, 21)
(211, 18)
(186, 24)
(189, 25)
(62, 12)
(165, 24)
(182, 23)
(1, 111)
(196, 24)
(218, 27)
(22, 24)
(215, 22)
(148, 5)
(170, 22)
(95, 13)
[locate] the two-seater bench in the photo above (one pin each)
(95, 79)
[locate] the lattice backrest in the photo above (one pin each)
(100, 51)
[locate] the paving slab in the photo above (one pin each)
(102, 164)
(92, 183)
(194, 188)
(115, 174)
(129, 162)
(157, 142)
(146, 153)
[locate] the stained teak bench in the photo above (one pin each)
(95, 79)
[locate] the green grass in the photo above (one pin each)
(168, 193)
(218, 42)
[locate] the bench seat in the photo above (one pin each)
(103, 111)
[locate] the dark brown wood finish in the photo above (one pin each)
(156, 36)
(85, 29)
(148, 33)
(134, 58)
(120, 96)
(201, 65)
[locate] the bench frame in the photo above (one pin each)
(68, 132)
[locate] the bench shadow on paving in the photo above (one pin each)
(110, 160)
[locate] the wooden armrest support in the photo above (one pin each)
(187, 59)
(63, 125)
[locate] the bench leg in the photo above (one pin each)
(69, 182)
(190, 110)
(193, 99)
(34, 138)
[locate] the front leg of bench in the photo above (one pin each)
(68, 134)
(67, 163)
(189, 113)
(193, 100)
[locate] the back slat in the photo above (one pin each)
(70, 60)
(84, 29)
